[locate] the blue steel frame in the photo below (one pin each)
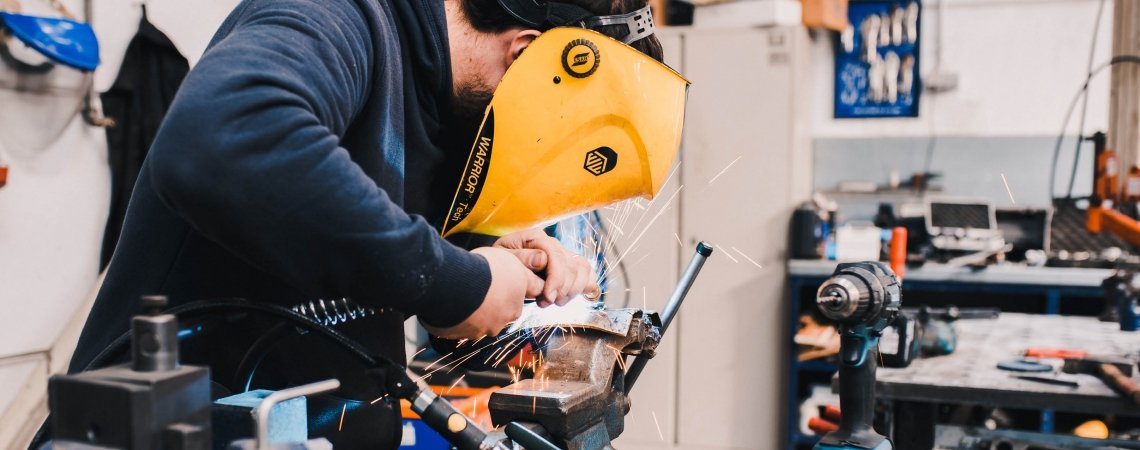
(796, 284)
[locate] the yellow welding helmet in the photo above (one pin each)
(579, 121)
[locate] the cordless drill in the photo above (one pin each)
(863, 299)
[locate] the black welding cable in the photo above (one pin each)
(243, 376)
(1085, 107)
(206, 307)
(1072, 106)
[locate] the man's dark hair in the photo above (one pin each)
(488, 16)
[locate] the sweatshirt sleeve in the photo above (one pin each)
(249, 155)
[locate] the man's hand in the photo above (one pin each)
(568, 275)
(511, 283)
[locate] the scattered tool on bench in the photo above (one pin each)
(1115, 372)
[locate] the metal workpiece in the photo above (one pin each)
(704, 250)
(577, 393)
(154, 337)
(261, 441)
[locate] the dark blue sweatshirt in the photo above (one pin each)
(282, 171)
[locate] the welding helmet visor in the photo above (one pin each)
(45, 71)
(579, 121)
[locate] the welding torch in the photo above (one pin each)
(704, 250)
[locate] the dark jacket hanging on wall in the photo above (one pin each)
(150, 75)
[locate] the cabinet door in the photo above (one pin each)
(740, 173)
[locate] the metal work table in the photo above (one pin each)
(1053, 284)
(970, 374)
(999, 274)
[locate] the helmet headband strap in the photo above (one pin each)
(639, 23)
(550, 14)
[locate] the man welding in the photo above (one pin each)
(312, 153)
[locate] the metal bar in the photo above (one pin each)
(704, 250)
(527, 438)
(273, 399)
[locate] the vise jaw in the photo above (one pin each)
(577, 394)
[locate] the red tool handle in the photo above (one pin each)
(1055, 353)
(831, 412)
(898, 251)
(1120, 382)
(821, 426)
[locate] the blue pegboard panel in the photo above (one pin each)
(877, 76)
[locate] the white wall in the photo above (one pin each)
(1019, 63)
(54, 208)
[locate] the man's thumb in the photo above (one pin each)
(533, 259)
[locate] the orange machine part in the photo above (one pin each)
(3, 176)
(1111, 220)
(1107, 176)
(898, 251)
(1132, 185)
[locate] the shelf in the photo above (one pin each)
(818, 366)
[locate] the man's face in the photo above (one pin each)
(478, 62)
(470, 103)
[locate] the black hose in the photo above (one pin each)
(1083, 91)
(257, 352)
(1085, 108)
(203, 307)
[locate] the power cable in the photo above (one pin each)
(1072, 106)
(1085, 107)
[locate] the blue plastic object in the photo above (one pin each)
(63, 41)
(1128, 312)
(1024, 366)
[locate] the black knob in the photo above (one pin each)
(153, 304)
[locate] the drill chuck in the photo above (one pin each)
(843, 298)
(860, 294)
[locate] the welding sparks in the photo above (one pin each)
(725, 169)
(678, 240)
(746, 257)
(1007, 189)
(726, 253)
(342, 411)
(644, 299)
(455, 384)
(659, 433)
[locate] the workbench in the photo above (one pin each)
(1040, 290)
(970, 374)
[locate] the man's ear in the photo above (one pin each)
(519, 41)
